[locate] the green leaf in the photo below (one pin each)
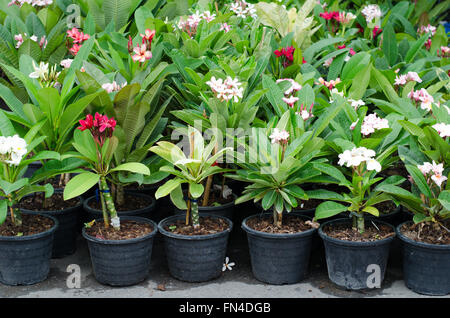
(372, 210)
(3, 211)
(419, 180)
(329, 209)
(196, 190)
(80, 184)
(168, 187)
(390, 48)
(135, 167)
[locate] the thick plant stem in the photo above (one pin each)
(104, 212)
(360, 224)
(194, 212)
(120, 195)
(16, 216)
(105, 192)
(277, 218)
(207, 190)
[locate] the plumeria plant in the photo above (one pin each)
(192, 169)
(96, 145)
(281, 159)
(16, 154)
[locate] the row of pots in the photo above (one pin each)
(275, 258)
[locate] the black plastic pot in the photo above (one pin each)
(122, 262)
(163, 206)
(348, 262)
(98, 214)
(225, 210)
(279, 258)
(65, 237)
(25, 260)
(196, 258)
(32, 168)
(426, 267)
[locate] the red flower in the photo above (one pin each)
(330, 15)
(352, 51)
(88, 123)
(288, 54)
(75, 48)
(341, 47)
(376, 30)
(107, 123)
(77, 36)
(130, 44)
(428, 44)
(303, 61)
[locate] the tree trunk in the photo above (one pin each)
(105, 192)
(207, 190)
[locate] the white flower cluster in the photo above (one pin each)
(113, 87)
(21, 38)
(66, 63)
(442, 129)
(243, 9)
(193, 20)
(423, 97)
(346, 18)
(356, 103)
(357, 156)
(47, 77)
(225, 90)
(371, 12)
(371, 123)
(427, 29)
(279, 136)
(410, 77)
(434, 170)
(12, 149)
(34, 3)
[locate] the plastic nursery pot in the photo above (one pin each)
(32, 168)
(65, 237)
(279, 258)
(25, 260)
(145, 212)
(426, 267)
(225, 210)
(350, 264)
(196, 258)
(121, 262)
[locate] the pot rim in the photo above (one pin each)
(34, 236)
(127, 241)
(416, 243)
(150, 206)
(325, 237)
(249, 230)
(166, 220)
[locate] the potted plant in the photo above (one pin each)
(351, 245)
(280, 160)
(120, 247)
(25, 239)
(426, 238)
(195, 244)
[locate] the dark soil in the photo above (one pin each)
(55, 182)
(291, 224)
(386, 207)
(215, 198)
(427, 232)
(132, 202)
(54, 203)
(208, 225)
(128, 230)
(397, 169)
(310, 204)
(31, 224)
(345, 232)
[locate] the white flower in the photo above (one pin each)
(356, 156)
(5, 145)
(12, 149)
(442, 129)
(328, 62)
(18, 145)
(425, 168)
(227, 265)
(40, 71)
(356, 103)
(279, 135)
(290, 100)
(438, 179)
(66, 63)
(371, 12)
(113, 87)
(225, 27)
(413, 76)
(293, 88)
(400, 80)
(208, 16)
(371, 123)
(372, 164)
(226, 89)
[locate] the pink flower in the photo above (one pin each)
(330, 15)
(88, 123)
(75, 48)
(290, 100)
(278, 136)
(225, 27)
(141, 54)
(148, 35)
(376, 30)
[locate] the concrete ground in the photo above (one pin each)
(238, 283)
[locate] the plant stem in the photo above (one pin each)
(108, 200)
(104, 212)
(188, 210)
(120, 194)
(195, 216)
(360, 224)
(207, 190)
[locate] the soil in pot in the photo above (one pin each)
(427, 233)
(279, 255)
(121, 258)
(31, 224)
(54, 203)
(128, 230)
(346, 232)
(208, 225)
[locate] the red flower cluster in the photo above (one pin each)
(77, 39)
(101, 127)
(287, 54)
(376, 30)
(330, 15)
